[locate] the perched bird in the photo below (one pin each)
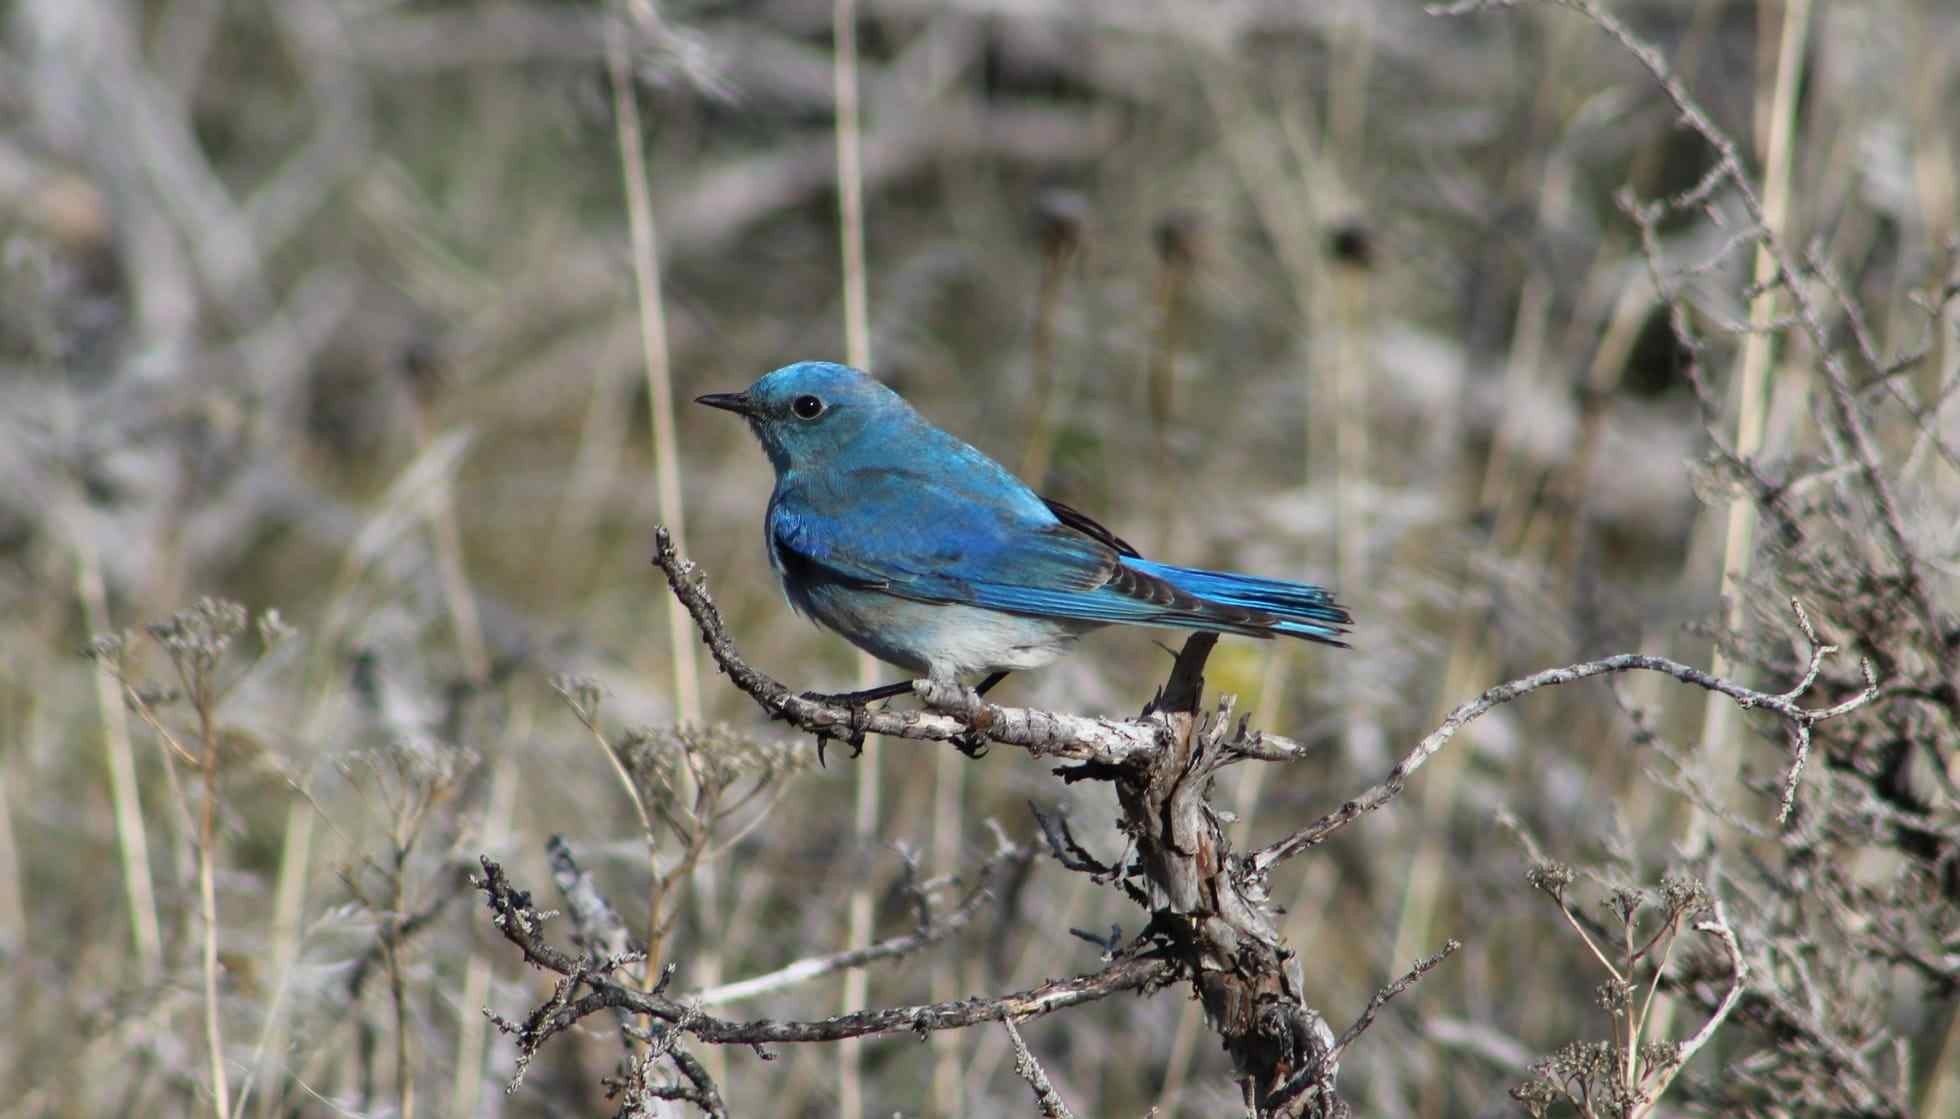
(927, 554)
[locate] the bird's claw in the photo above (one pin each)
(964, 704)
(853, 735)
(854, 739)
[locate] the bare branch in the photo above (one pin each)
(1045, 1096)
(928, 933)
(1319, 1072)
(596, 926)
(705, 1095)
(522, 925)
(1158, 762)
(1382, 997)
(1111, 743)
(640, 1089)
(1783, 704)
(1848, 417)
(1064, 846)
(1769, 497)
(1715, 925)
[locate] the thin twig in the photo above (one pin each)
(1382, 997)
(522, 925)
(1715, 925)
(1850, 419)
(1045, 1096)
(706, 1094)
(1800, 718)
(925, 935)
(1591, 944)
(1318, 1074)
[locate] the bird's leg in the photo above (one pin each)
(888, 691)
(958, 701)
(860, 698)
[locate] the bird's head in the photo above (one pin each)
(809, 412)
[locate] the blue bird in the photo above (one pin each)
(927, 554)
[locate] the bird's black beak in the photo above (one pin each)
(736, 402)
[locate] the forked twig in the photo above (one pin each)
(1783, 704)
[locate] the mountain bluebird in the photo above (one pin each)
(926, 553)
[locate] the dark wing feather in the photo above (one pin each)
(1090, 527)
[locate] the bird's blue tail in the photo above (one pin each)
(1296, 609)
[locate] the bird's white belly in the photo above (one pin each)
(945, 642)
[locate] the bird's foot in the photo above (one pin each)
(853, 730)
(853, 738)
(964, 704)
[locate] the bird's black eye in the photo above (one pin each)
(806, 407)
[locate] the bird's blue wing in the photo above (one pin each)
(928, 536)
(942, 537)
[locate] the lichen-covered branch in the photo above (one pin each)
(1045, 1096)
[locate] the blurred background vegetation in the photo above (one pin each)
(329, 307)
